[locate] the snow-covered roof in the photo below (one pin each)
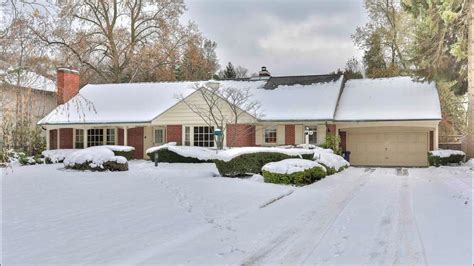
(126, 102)
(398, 98)
(31, 80)
(299, 102)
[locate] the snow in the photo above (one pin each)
(184, 214)
(206, 154)
(398, 98)
(331, 160)
(470, 163)
(31, 80)
(96, 156)
(108, 103)
(227, 155)
(111, 103)
(446, 153)
(290, 166)
(57, 155)
(119, 148)
(299, 102)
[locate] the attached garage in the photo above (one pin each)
(388, 146)
(389, 121)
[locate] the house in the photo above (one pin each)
(383, 122)
(26, 97)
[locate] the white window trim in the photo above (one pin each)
(276, 132)
(164, 134)
(191, 133)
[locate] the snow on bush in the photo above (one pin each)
(445, 157)
(293, 171)
(227, 155)
(96, 158)
(171, 153)
(470, 163)
(119, 148)
(446, 153)
(333, 162)
(57, 156)
(206, 154)
(289, 166)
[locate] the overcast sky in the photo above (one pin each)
(290, 37)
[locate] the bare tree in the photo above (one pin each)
(222, 107)
(108, 36)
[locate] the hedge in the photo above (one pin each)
(110, 166)
(333, 170)
(167, 156)
(248, 164)
(127, 154)
(437, 160)
(304, 177)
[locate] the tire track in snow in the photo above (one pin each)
(286, 244)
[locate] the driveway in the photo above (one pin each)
(185, 213)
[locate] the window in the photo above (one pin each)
(203, 136)
(313, 139)
(110, 136)
(79, 139)
(187, 136)
(159, 136)
(270, 135)
(95, 137)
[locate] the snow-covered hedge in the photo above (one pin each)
(57, 156)
(170, 153)
(332, 162)
(250, 160)
(445, 157)
(96, 159)
(293, 171)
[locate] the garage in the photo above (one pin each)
(388, 146)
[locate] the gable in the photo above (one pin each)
(181, 114)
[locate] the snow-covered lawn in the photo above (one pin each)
(184, 213)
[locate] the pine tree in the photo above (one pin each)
(373, 57)
(229, 72)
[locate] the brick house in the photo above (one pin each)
(384, 122)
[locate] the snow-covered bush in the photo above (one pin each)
(96, 159)
(125, 151)
(170, 153)
(56, 156)
(445, 157)
(293, 171)
(332, 162)
(249, 163)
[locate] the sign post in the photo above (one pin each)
(307, 133)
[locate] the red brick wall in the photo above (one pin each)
(53, 139)
(240, 135)
(289, 134)
(67, 83)
(66, 138)
(174, 134)
(135, 139)
(331, 129)
(120, 137)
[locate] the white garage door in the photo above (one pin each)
(396, 147)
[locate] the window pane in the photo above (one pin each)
(270, 135)
(159, 136)
(95, 137)
(203, 136)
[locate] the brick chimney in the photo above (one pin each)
(67, 84)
